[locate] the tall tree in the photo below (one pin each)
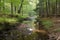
(19, 10)
(15, 8)
(11, 7)
(40, 8)
(0, 5)
(4, 5)
(56, 8)
(47, 7)
(59, 7)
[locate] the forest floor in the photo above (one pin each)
(55, 29)
(56, 23)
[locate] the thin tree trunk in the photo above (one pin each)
(53, 9)
(40, 8)
(3, 6)
(15, 9)
(22, 10)
(19, 10)
(47, 8)
(59, 7)
(0, 6)
(11, 7)
(56, 9)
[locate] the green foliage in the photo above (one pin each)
(8, 20)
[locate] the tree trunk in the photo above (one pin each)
(3, 6)
(11, 7)
(19, 10)
(41, 8)
(56, 9)
(0, 6)
(15, 9)
(47, 7)
(59, 7)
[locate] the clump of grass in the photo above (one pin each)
(47, 24)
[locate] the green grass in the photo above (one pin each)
(9, 20)
(47, 24)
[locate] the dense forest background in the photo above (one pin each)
(18, 16)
